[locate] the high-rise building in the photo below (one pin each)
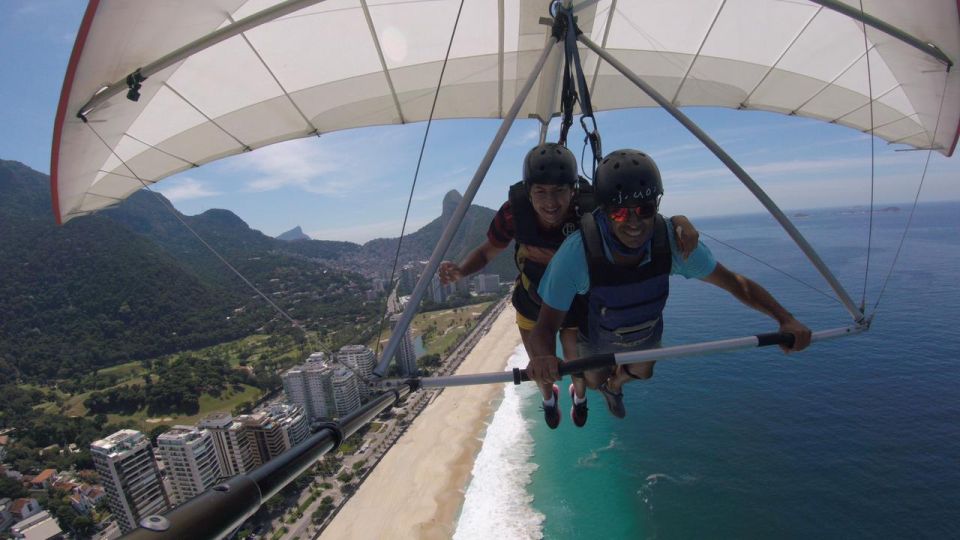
(310, 386)
(323, 390)
(462, 287)
(406, 355)
(346, 394)
(230, 442)
(438, 291)
(488, 284)
(293, 420)
(362, 361)
(129, 474)
(409, 275)
(191, 461)
(274, 431)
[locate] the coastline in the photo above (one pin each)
(418, 487)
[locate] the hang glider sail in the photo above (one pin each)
(216, 78)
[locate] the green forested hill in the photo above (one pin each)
(92, 294)
(133, 283)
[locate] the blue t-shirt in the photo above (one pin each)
(567, 274)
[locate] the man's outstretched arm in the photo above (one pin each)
(476, 260)
(752, 294)
(544, 366)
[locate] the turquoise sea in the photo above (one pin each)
(854, 438)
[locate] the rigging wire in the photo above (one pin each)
(416, 174)
(873, 154)
(173, 211)
(916, 199)
(768, 265)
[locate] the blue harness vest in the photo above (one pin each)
(625, 304)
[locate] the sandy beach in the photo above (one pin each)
(417, 489)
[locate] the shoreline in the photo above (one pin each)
(418, 487)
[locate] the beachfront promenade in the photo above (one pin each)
(367, 463)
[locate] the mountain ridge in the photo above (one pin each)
(131, 282)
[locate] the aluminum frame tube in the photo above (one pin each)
(630, 357)
(723, 345)
(740, 173)
(197, 45)
(924, 46)
(438, 252)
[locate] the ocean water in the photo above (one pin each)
(857, 437)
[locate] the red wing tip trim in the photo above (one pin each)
(82, 34)
(955, 136)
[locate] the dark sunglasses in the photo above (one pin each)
(622, 213)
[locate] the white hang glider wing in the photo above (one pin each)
(321, 66)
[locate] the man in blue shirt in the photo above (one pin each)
(623, 257)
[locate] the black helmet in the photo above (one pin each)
(550, 163)
(627, 178)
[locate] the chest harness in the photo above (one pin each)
(625, 304)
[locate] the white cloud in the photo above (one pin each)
(676, 149)
(335, 165)
(775, 169)
(184, 189)
(303, 163)
(527, 138)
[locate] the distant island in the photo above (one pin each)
(865, 210)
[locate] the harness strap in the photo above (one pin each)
(592, 240)
(575, 87)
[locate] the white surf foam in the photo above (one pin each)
(496, 503)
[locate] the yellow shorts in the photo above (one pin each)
(525, 323)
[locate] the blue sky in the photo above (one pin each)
(353, 185)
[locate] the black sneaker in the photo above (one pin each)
(578, 411)
(552, 414)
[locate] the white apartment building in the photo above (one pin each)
(231, 444)
(406, 355)
(438, 291)
(273, 431)
(346, 394)
(129, 474)
(310, 386)
(293, 421)
(361, 360)
(190, 458)
(323, 390)
(488, 283)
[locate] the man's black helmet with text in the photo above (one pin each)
(550, 163)
(627, 178)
